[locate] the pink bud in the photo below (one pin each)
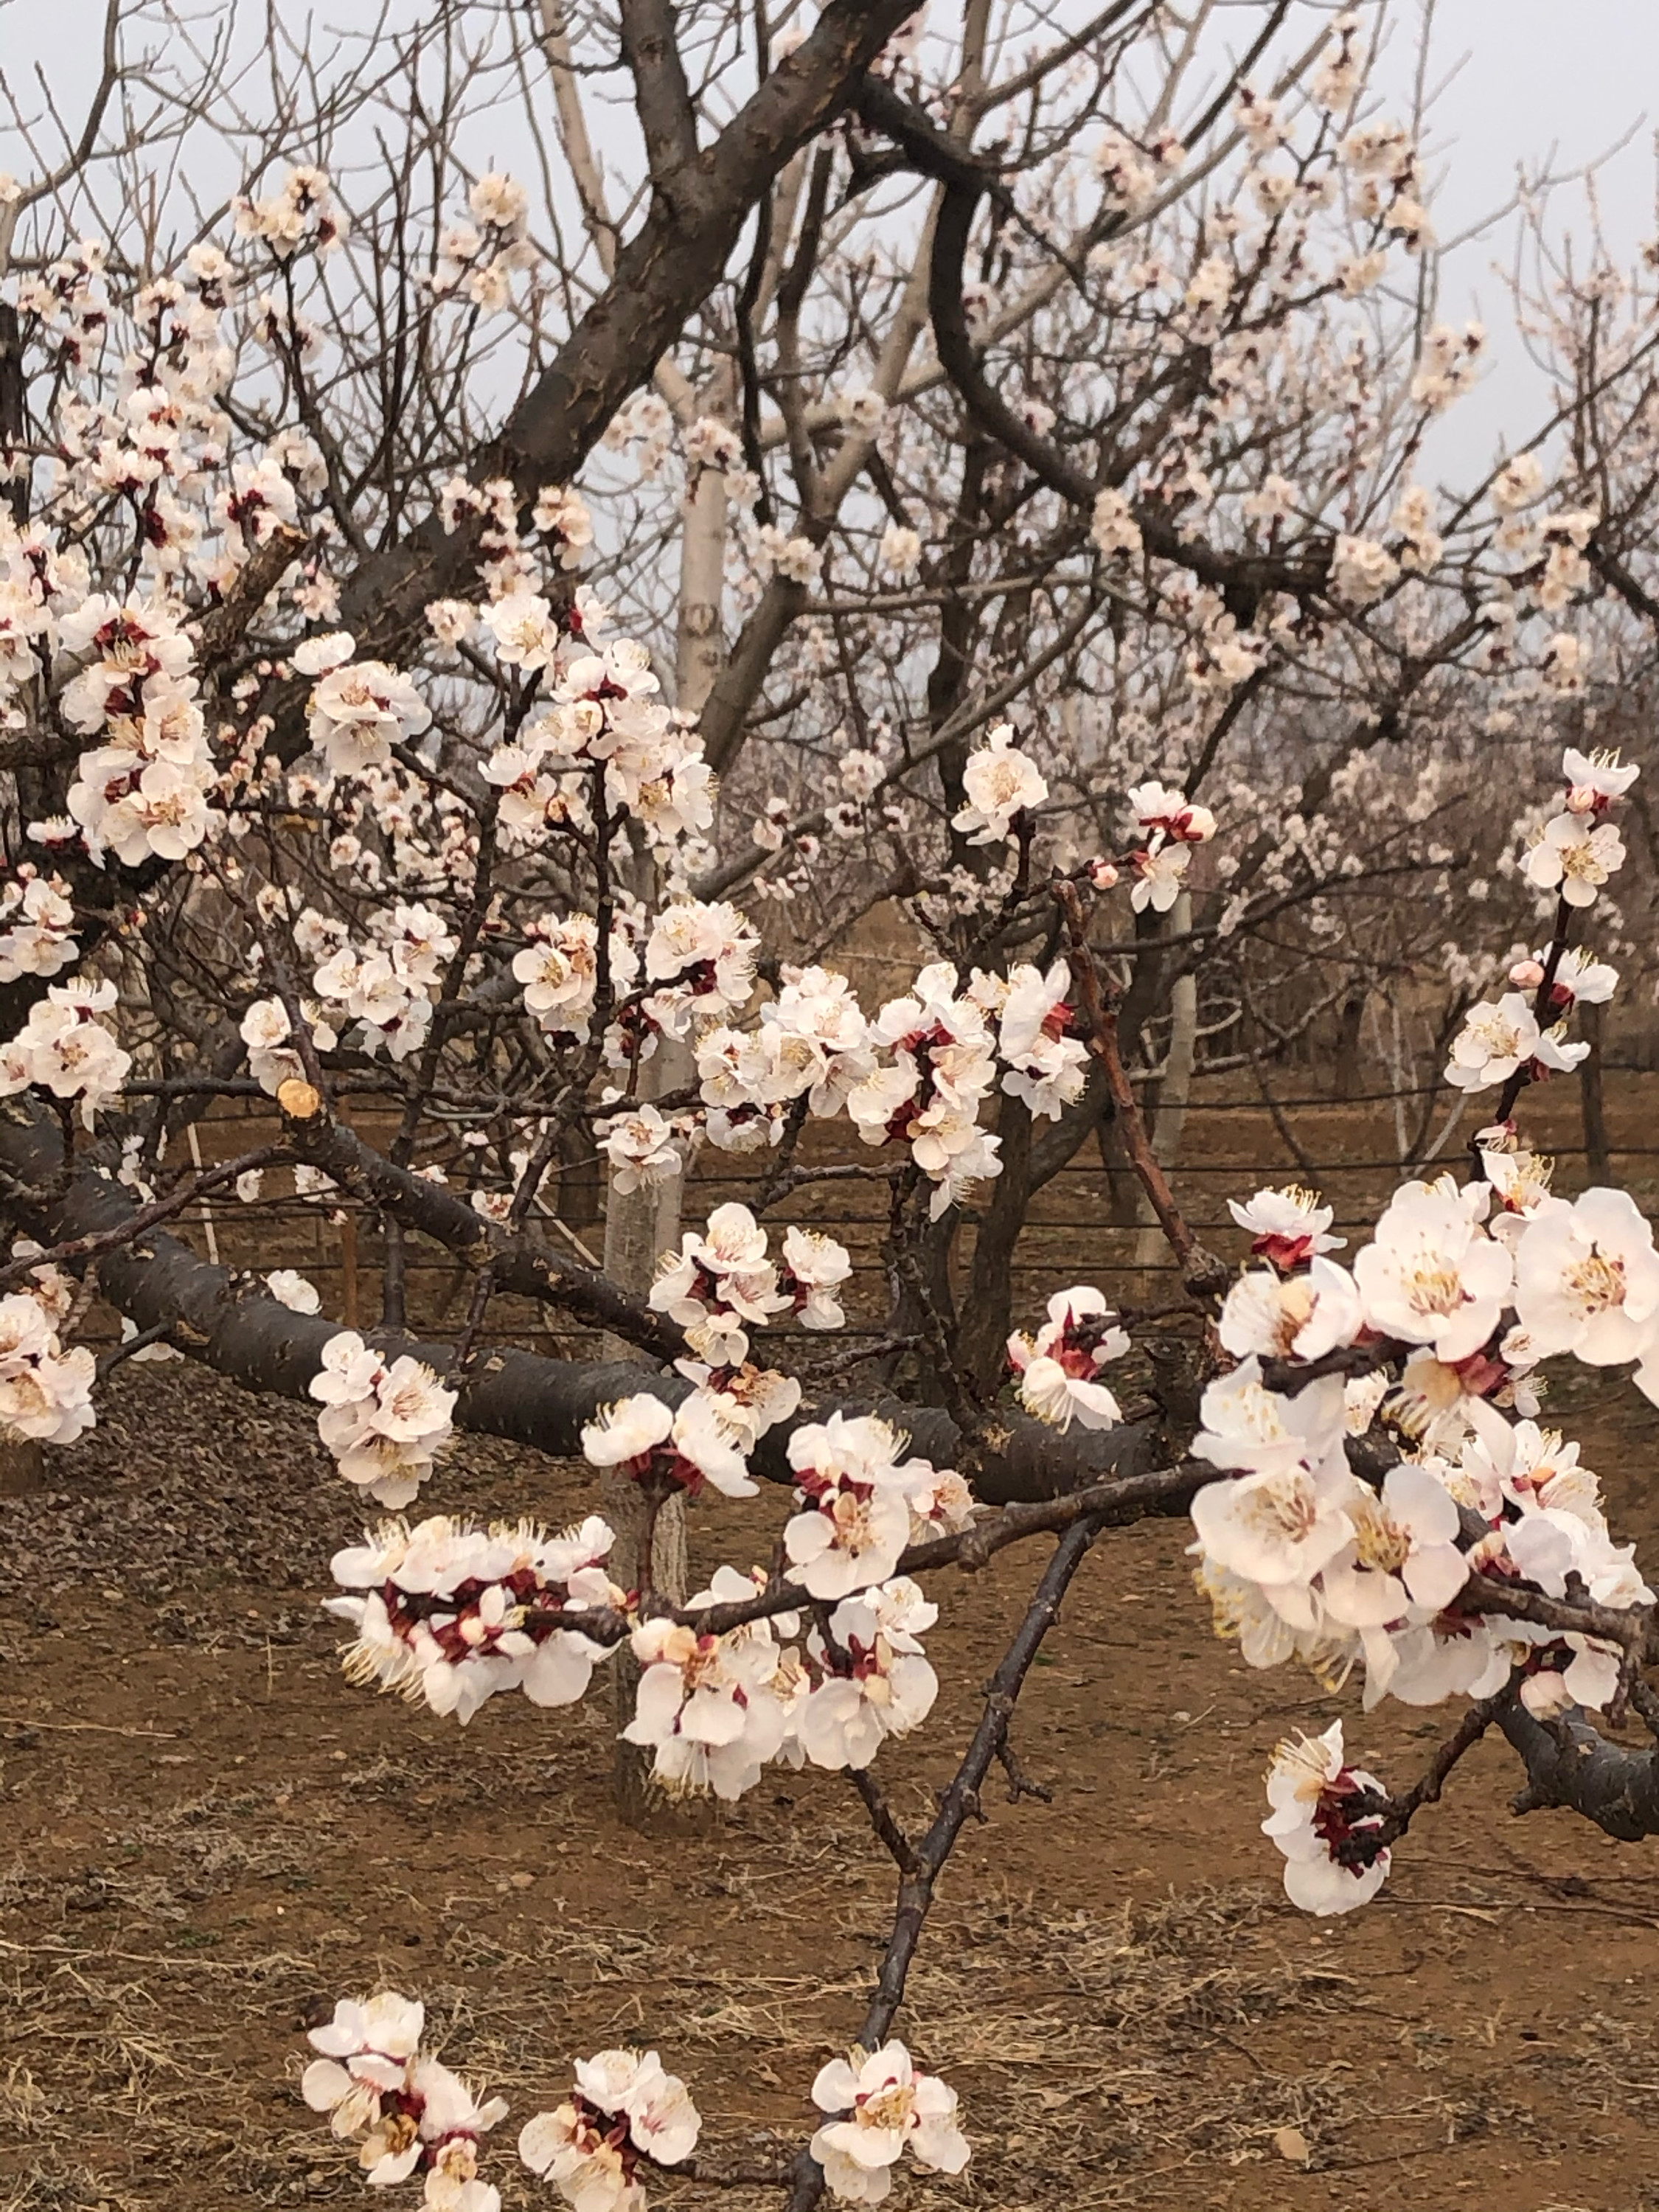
(1584, 799)
(1527, 974)
(1102, 874)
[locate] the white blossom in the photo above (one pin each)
(1319, 1820)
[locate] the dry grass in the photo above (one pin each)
(1109, 2061)
(207, 1837)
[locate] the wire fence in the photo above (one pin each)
(1088, 1223)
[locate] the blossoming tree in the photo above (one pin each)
(359, 759)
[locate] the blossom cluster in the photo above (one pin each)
(880, 2105)
(143, 788)
(45, 1392)
(861, 1503)
(1426, 1349)
(449, 1613)
(607, 739)
(478, 258)
(625, 2117)
(1327, 1820)
(37, 917)
(715, 1709)
(623, 2111)
(1167, 826)
(1573, 855)
(1456, 1297)
(412, 2114)
(721, 1284)
(383, 1422)
(65, 1049)
(1059, 1368)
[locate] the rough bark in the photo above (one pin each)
(1572, 1768)
(230, 1323)
(660, 276)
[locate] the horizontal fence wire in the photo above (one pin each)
(1078, 1238)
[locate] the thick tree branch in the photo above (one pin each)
(662, 97)
(661, 274)
(522, 1264)
(229, 1323)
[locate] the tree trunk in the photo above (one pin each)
(647, 1222)
(1597, 1162)
(1174, 1089)
(1350, 1022)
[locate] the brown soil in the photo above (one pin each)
(208, 1834)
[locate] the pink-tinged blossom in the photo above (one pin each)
(641, 1149)
(712, 1709)
(688, 1445)
(1001, 782)
(1433, 1275)
(880, 2107)
(1058, 1368)
(384, 1424)
(64, 1049)
(1498, 1042)
(1158, 809)
(1287, 1226)
(450, 1613)
(624, 2107)
(1299, 1316)
(412, 2113)
(1587, 1280)
(854, 1490)
(874, 1681)
(1574, 854)
(1321, 1822)
(1404, 1551)
(813, 1270)
(1595, 780)
(359, 712)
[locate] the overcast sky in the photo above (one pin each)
(1543, 84)
(1547, 85)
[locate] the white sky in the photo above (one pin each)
(1546, 86)
(1543, 85)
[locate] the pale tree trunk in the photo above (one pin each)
(645, 1223)
(1174, 1089)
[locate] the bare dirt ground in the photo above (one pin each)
(205, 1835)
